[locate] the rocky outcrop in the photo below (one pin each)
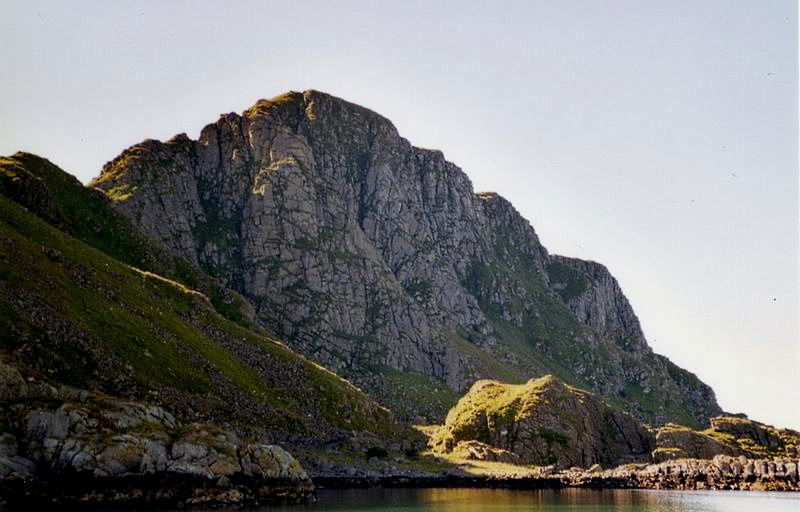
(720, 473)
(766, 436)
(728, 435)
(375, 257)
(64, 445)
(544, 422)
(678, 442)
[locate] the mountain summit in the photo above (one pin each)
(378, 260)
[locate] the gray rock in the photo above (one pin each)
(12, 384)
(41, 425)
(720, 473)
(270, 461)
(15, 467)
(8, 444)
(12, 465)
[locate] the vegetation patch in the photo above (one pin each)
(553, 437)
(568, 282)
(376, 452)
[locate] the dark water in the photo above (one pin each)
(578, 500)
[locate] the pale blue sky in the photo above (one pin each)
(657, 137)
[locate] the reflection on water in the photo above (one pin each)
(582, 500)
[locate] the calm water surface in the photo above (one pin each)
(578, 500)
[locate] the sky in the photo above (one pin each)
(659, 138)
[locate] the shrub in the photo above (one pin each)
(377, 451)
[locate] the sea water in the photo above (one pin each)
(565, 500)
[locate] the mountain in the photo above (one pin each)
(377, 259)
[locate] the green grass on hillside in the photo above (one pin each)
(84, 318)
(61, 200)
(430, 396)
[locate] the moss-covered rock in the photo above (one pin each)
(679, 442)
(475, 450)
(544, 421)
(727, 435)
(764, 435)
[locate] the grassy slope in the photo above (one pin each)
(61, 200)
(72, 311)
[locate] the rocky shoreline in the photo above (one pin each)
(61, 445)
(163, 489)
(256, 479)
(720, 473)
(214, 485)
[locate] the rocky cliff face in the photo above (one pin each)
(377, 259)
(594, 296)
(596, 299)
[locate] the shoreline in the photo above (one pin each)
(525, 483)
(437, 481)
(160, 490)
(522, 483)
(720, 473)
